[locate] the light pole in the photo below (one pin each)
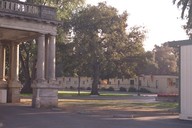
(138, 86)
(79, 84)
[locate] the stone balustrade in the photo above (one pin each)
(27, 9)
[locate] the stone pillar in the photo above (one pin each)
(50, 58)
(45, 92)
(51, 69)
(3, 83)
(2, 64)
(14, 85)
(41, 58)
(14, 62)
(46, 57)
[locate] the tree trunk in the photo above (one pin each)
(27, 87)
(95, 83)
(25, 67)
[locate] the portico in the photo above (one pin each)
(21, 22)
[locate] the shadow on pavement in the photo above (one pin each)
(20, 116)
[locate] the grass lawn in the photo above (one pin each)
(111, 103)
(84, 93)
(87, 93)
(118, 104)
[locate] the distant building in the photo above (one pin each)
(164, 84)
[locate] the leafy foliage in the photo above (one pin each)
(94, 41)
(27, 55)
(102, 43)
(167, 59)
(186, 13)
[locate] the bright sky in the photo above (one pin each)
(160, 17)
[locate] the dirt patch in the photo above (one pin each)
(126, 107)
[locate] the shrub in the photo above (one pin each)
(132, 89)
(82, 88)
(167, 95)
(103, 89)
(110, 89)
(144, 90)
(72, 88)
(122, 89)
(88, 88)
(107, 89)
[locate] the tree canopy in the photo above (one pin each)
(186, 13)
(95, 41)
(100, 40)
(166, 59)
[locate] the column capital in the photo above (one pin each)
(53, 35)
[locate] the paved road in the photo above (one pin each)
(20, 116)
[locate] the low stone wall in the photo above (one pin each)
(3, 96)
(168, 98)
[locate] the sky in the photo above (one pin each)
(159, 17)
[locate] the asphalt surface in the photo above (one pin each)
(20, 116)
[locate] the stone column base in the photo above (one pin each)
(45, 94)
(13, 92)
(3, 91)
(3, 84)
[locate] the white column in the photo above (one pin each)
(41, 58)
(2, 63)
(47, 57)
(14, 62)
(14, 85)
(52, 60)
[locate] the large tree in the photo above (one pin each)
(101, 39)
(147, 64)
(167, 59)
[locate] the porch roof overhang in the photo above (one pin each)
(21, 21)
(179, 43)
(12, 35)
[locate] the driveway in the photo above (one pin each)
(24, 116)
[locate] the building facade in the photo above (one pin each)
(162, 84)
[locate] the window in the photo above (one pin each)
(156, 83)
(131, 82)
(170, 81)
(177, 83)
(148, 85)
(118, 82)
